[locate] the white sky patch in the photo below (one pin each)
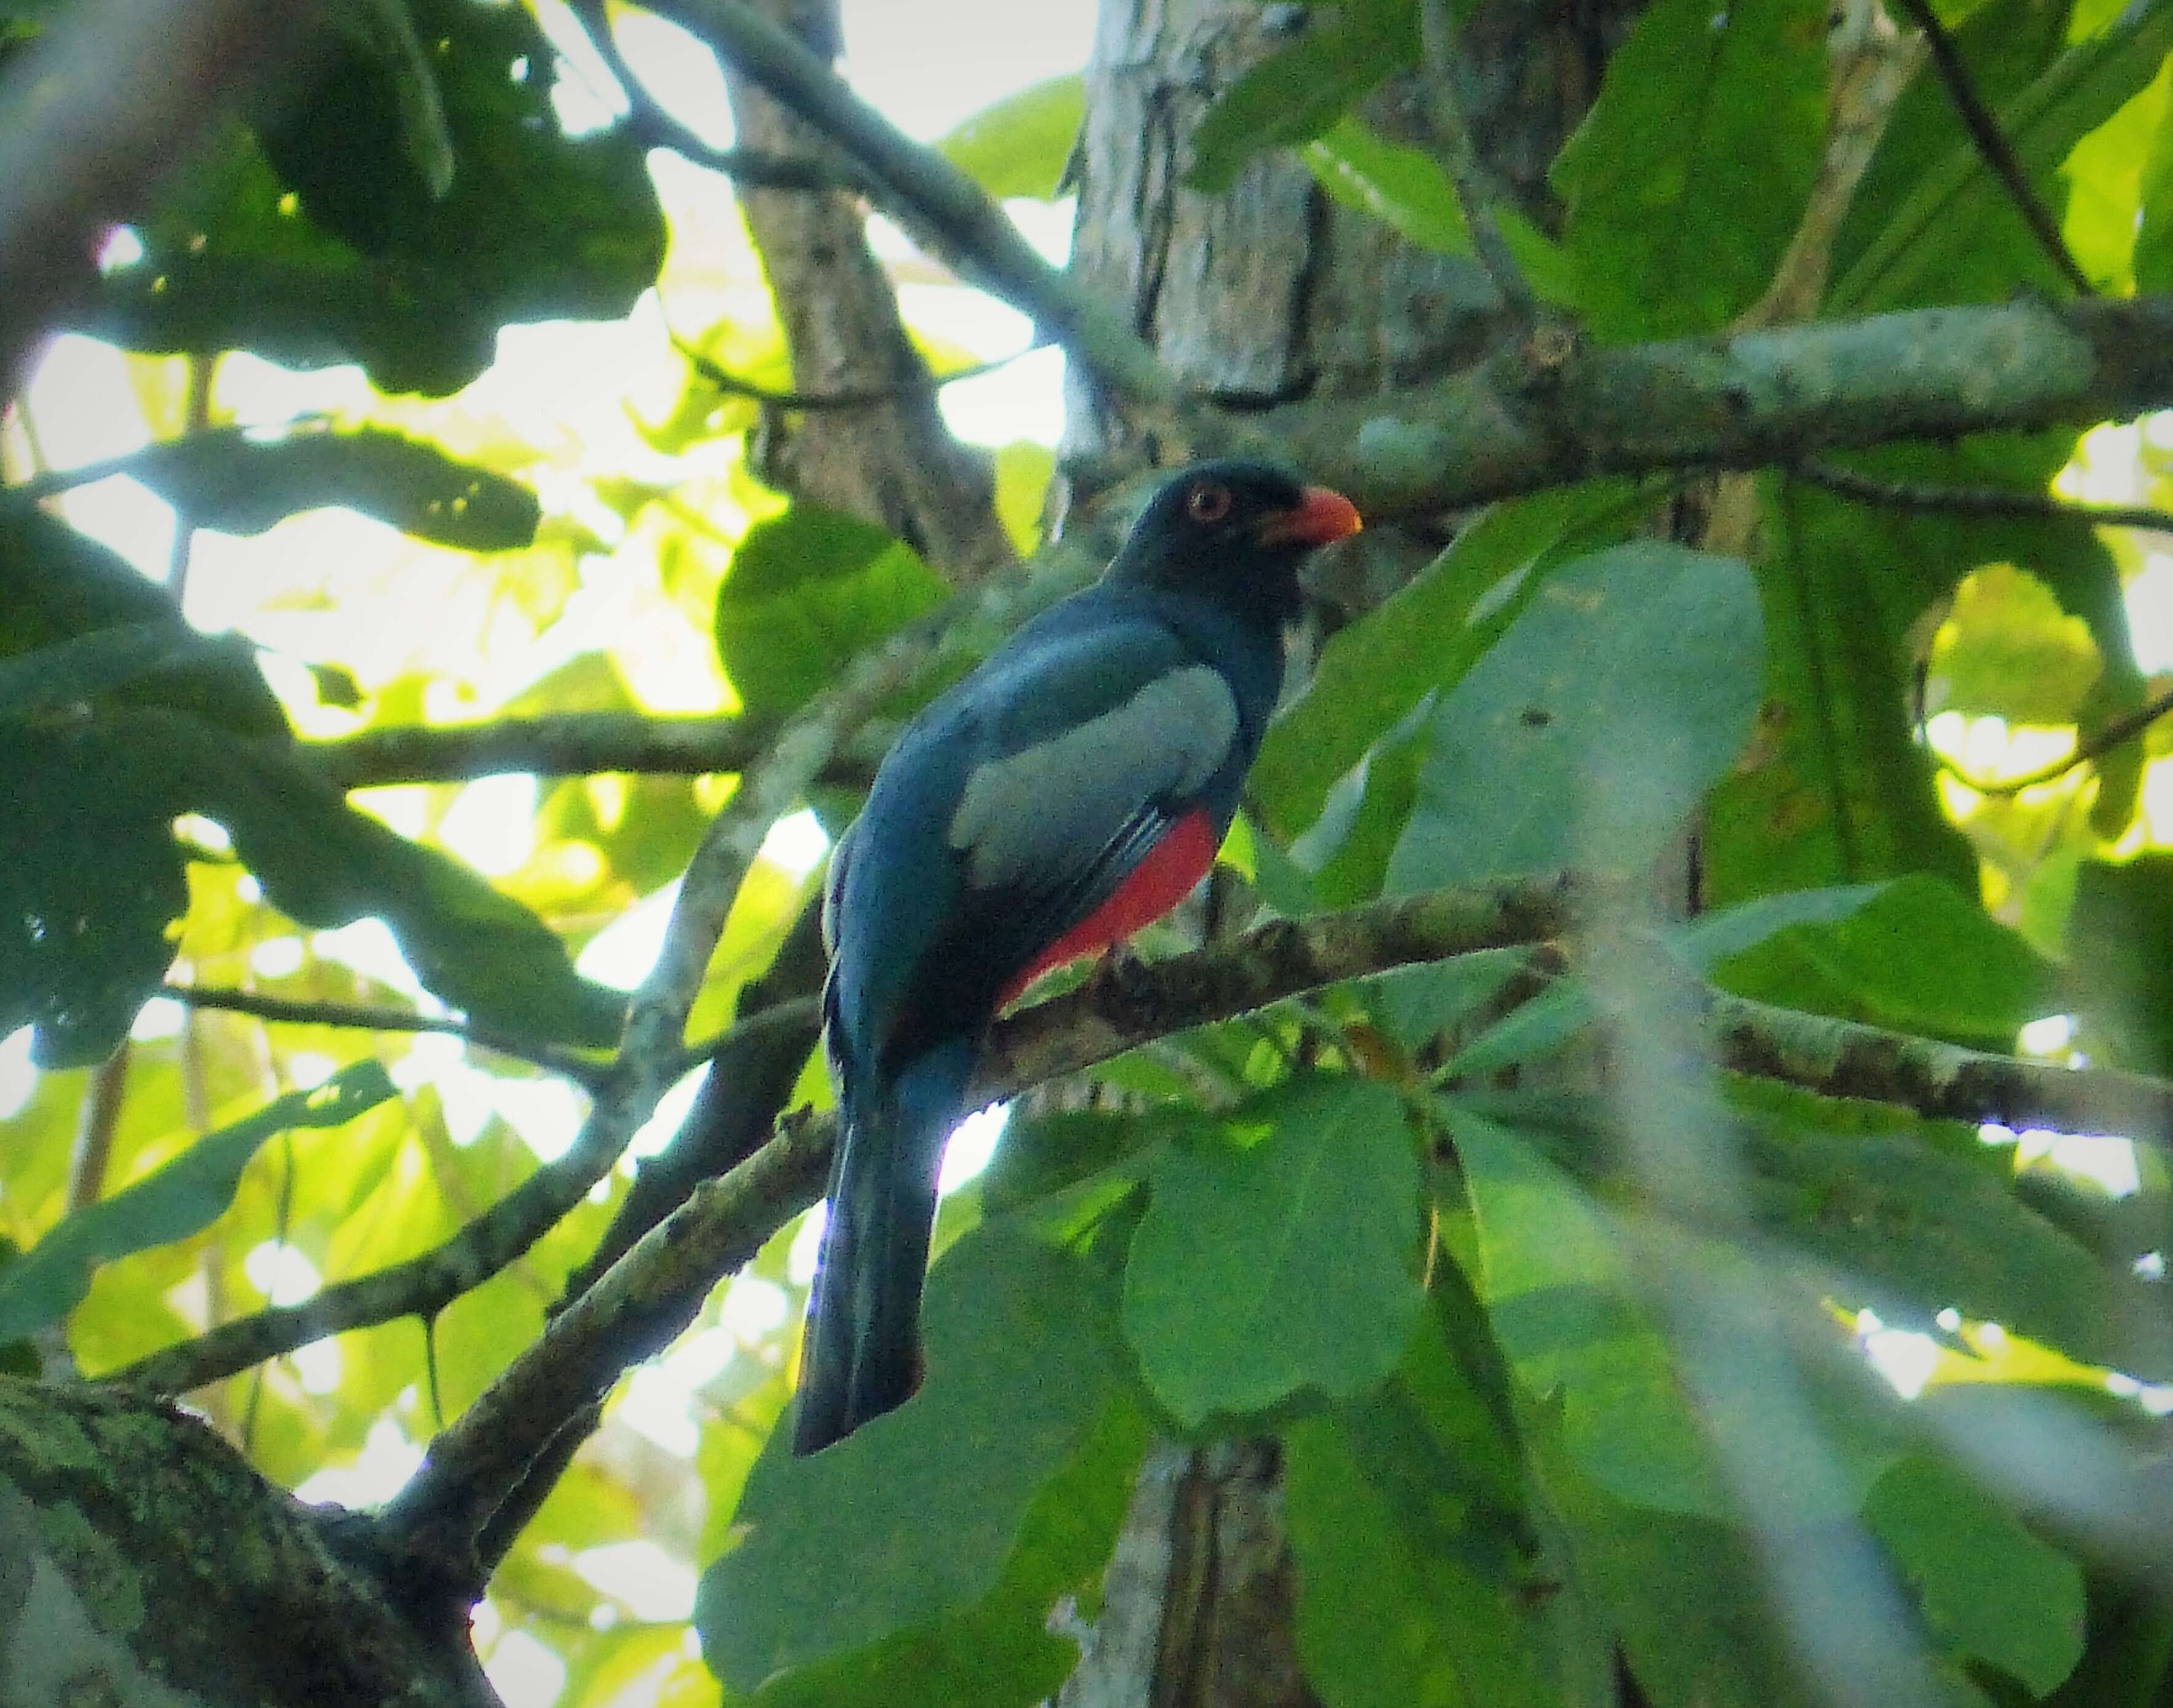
(928, 80)
(282, 1274)
(523, 1671)
(547, 1113)
(971, 1146)
(658, 1131)
(277, 958)
(17, 1078)
(657, 1405)
(387, 1460)
(369, 947)
(2108, 1160)
(2150, 612)
(653, 1585)
(622, 954)
(796, 844)
(159, 1018)
(492, 823)
(308, 1069)
(807, 1245)
(1903, 1358)
(2048, 1036)
(751, 1309)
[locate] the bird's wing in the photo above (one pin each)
(1090, 750)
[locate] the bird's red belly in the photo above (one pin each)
(1157, 884)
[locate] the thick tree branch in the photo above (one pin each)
(1552, 410)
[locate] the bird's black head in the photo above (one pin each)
(1233, 531)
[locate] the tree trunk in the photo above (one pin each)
(1268, 294)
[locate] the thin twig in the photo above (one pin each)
(1976, 500)
(1991, 143)
(1453, 137)
(2104, 741)
(363, 1017)
(733, 386)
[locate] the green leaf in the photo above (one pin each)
(2154, 234)
(2106, 176)
(182, 1198)
(84, 909)
(1422, 1579)
(1913, 1217)
(56, 585)
(1019, 145)
(1986, 1584)
(1696, 104)
(1591, 729)
(807, 592)
(919, 1510)
(1920, 957)
(325, 238)
(1300, 89)
(1953, 238)
(1407, 188)
(2008, 649)
(1568, 1318)
(1833, 789)
(2120, 945)
(1426, 636)
(243, 485)
(1278, 1252)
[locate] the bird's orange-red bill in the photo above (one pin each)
(1319, 515)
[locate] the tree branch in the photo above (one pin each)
(1991, 144)
(1976, 500)
(1437, 52)
(932, 196)
(659, 127)
(734, 386)
(2121, 729)
(1554, 411)
(368, 1017)
(652, 1293)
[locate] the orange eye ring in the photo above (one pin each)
(1209, 502)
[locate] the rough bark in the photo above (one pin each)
(227, 1591)
(892, 462)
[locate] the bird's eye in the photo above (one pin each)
(1208, 502)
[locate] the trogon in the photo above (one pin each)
(1073, 788)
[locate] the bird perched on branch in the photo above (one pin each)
(1071, 790)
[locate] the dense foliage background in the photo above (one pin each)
(1617, 1327)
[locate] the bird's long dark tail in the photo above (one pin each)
(863, 1353)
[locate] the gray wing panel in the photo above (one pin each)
(1030, 818)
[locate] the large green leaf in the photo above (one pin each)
(324, 238)
(56, 585)
(184, 1197)
(807, 591)
(243, 484)
(1986, 1586)
(1954, 236)
(87, 666)
(1423, 1578)
(919, 1512)
(1019, 145)
(84, 907)
(1918, 957)
(1697, 105)
(1303, 87)
(1569, 1317)
(1591, 729)
(2120, 948)
(1833, 789)
(1426, 636)
(1278, 1252)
